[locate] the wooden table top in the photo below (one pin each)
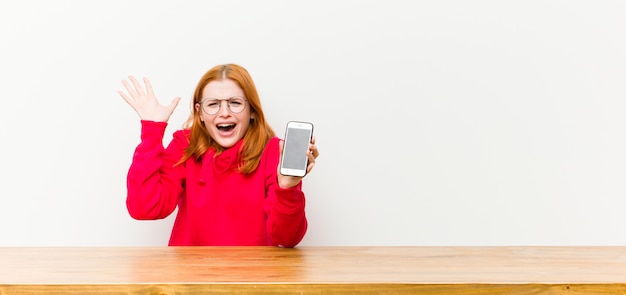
(22, 267)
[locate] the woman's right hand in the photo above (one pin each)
(145, 103)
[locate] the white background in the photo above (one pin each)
(439, 122)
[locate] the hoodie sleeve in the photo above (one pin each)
(286, 219)
(154, 182)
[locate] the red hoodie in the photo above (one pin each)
(217, 205)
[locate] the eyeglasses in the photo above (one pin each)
(212, 106)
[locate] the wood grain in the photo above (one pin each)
(313, 270)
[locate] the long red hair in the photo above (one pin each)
(257, 135)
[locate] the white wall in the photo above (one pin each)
(439, 122)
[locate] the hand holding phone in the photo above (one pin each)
(294, 160)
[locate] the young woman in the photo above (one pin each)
(220, 170)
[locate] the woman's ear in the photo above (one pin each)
(197, 107)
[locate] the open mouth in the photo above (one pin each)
(225, 127)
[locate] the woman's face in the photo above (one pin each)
(225, 112)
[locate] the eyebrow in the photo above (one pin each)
(215, 98)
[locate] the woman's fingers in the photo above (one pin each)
(135, 91)
(138, 87)
(313, 151)
(129, 89)
(313, 154)
(148, 87)
(126, 97)
(173, 105)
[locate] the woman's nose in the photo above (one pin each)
(223, 111)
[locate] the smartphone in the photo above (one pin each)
(294, 161)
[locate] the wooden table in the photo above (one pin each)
(313, 270)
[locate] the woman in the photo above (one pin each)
(220, 170)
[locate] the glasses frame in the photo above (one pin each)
(219, 108)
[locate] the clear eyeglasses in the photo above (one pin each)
(212, 106)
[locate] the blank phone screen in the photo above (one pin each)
(296, 145)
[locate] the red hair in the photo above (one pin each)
(257, 135)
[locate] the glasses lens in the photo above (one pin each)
(211, 106)
(235, 105)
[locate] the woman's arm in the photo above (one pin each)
(154, 182)
(284, 207)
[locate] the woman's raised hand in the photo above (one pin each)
(285, 181)
(144, 102)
